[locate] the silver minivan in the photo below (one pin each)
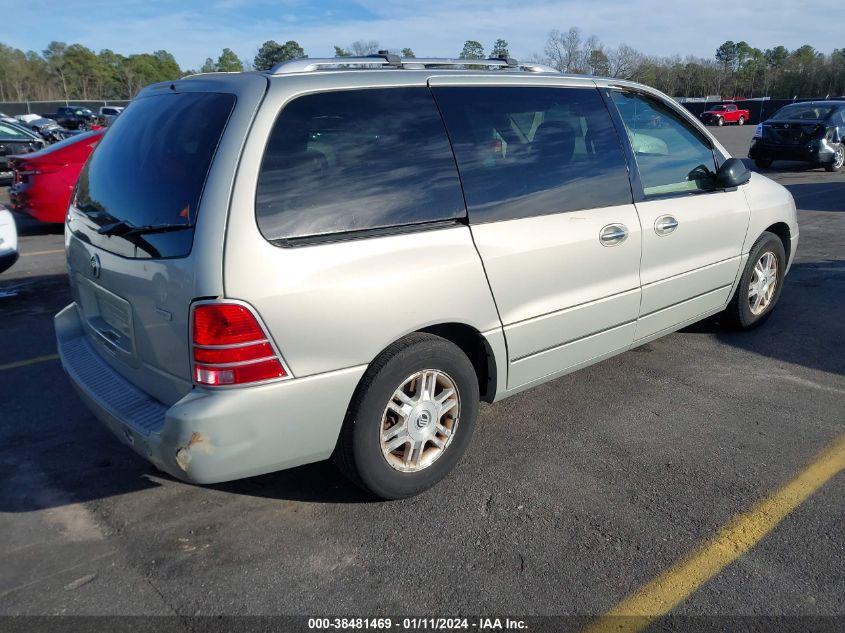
(343, 257)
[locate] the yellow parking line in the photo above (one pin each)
(30, 361)
(674, 585)
(53, 252)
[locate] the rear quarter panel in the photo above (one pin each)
(337, 305)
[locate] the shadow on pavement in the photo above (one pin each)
(27, 226)
(321, 482)
(42, 295)
(807, 327)
(827, 196)
(54, 453)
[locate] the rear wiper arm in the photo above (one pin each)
(126, 229)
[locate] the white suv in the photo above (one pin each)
(343, 257)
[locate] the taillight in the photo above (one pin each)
(231, 347)
(21, 174)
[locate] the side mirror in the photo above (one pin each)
(732, 173)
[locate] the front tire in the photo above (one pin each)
(760, 284)
(411, 418)
(838, 159)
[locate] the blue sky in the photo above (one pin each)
(195, 29)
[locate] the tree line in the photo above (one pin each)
(73, 71)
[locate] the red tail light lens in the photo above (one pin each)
(230, 346)
(225, 324)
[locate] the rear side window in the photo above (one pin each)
(526, 152)
(803, 111)
(149, 170)
(339, 163)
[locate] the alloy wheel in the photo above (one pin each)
(420, 420)
(764, 281)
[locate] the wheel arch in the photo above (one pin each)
(472, 342)
(781, 229)
(477, 349)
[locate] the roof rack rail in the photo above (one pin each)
(384, 58)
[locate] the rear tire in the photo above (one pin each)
(838, 159)
(741, 121)
(763, 163)
(759, 286)
(404, 431)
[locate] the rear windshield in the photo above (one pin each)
(807, 112)
(150, 168)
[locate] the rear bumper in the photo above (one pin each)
(47, 211)
(211, 436)
(816, 152)
(7, 260)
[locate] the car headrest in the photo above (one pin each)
(555, 141)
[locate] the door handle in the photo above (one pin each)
(665, 224)
(613, 234)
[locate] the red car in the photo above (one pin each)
(45, 179)
(721, 114)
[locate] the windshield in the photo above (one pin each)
(150, 168)
(806, 111)
(12, 132)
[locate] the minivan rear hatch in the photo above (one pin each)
(147, 220)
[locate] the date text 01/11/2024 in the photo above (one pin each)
(433, 624)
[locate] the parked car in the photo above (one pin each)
(44, 180)
(250, 294)
(15, 139)
(74, 117)
(721, 114)
(109, 113)
(48, 129)
(811, 132)
(8, 240)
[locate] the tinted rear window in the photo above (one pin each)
(525, 152)
(339, 163)
(806, 111)
(151, 166)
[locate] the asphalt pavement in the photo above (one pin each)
(571, 496)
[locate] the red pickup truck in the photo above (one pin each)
(721, 114)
